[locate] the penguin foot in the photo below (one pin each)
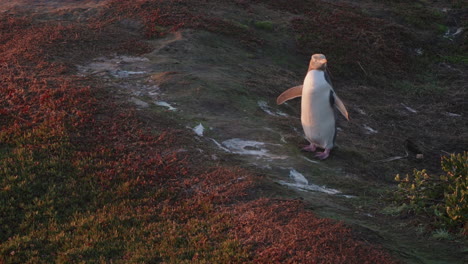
(323, 155)
(310, 148)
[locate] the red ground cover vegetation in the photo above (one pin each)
(282, 231)
(43, 104)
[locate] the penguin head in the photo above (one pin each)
(318, 62)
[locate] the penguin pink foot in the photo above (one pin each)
(323, 155)
(310, 148)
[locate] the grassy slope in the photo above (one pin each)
(138, 199)
(83, 181)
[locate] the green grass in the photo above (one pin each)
(419, 89)
(264, 25)
(442, 234)
(41, 191)
(456, 59)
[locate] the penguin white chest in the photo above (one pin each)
(317, 115)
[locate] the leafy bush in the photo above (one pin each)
(445, 197)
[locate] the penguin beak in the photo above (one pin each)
(324, 62)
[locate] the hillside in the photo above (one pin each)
(147, 131)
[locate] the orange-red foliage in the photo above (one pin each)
(282, 231)
(33, 91)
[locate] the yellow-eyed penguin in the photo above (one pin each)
(318, 99)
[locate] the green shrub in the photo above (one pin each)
(456, 193)
(445, 197)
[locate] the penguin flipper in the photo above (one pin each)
(340, 106)
(289, 94)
